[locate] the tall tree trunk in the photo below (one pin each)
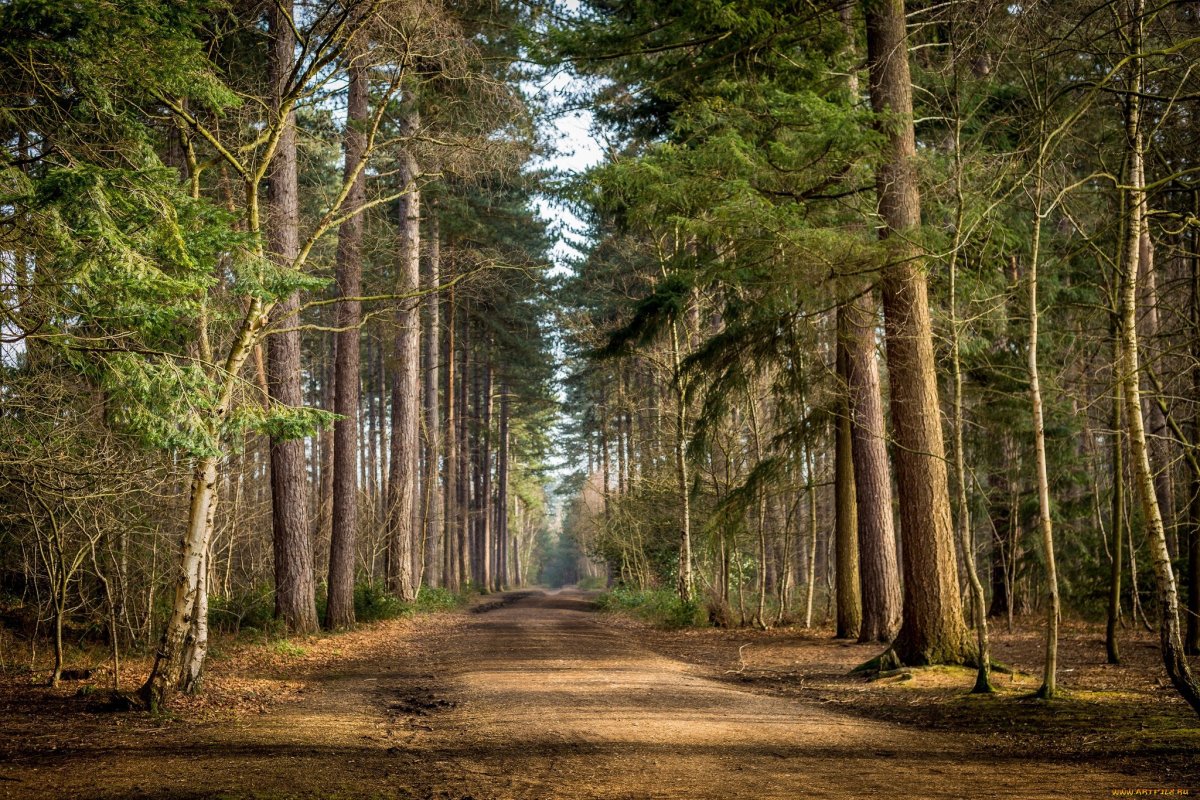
(195, 646)
(372, 433)
(1118, 501)
(966, 537)
(621, 440)
(878, 560)
(450, 517)
(760, 526)
(339, 610)
(684, 577)
(382, 446)
(433, 422)
(1158, 438)
(463, 561)
(502, 579)
(406, 389)
(1192, 537)
(932, 630)
(170, 659)
(605, 453)
(323, 443)
(849, 606)
(1171, 640)
(1045, 524)
(483, 499)
(811, 493)
(295, 592)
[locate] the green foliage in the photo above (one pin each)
(432, 599)
(372, 602)
(661, 607)
(246, 611)
(590, 583)
(560, 560)
(289, 649)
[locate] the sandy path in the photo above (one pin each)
(537, 698)
(551, 703)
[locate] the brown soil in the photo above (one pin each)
(538, 696)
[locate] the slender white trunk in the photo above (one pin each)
(1045, 524)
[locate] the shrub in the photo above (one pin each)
(437, 599)
(285, 648)
(250, 610)
(373, 602)
(661, 607)
(720, 615)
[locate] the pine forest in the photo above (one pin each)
(599, 398)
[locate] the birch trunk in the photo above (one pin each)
(1045, 524)
(1170, 637)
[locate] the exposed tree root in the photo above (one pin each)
(888, 665)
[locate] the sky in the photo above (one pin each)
(574, 148)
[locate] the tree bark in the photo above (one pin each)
(339, 610)
(878, 560)
(684, 577)
(406, 391)
(1117, 524)
(1192, 537)
(295, 592)
(483, 498)
(1171, 641)
(1158, 438)
(932, 630)
(849, 607)
(171, 658)
(450, 518)
(433, 421)
(463, 503)
(1045, 523)
(502, 579)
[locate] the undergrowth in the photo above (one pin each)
(252, 613)
(372, 602)
(660, 607)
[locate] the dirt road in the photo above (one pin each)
(536, 697)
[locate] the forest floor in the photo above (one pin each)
(535, 695)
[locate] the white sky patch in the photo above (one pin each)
(575, 148)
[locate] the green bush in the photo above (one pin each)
(661, 607)
(285, 648)
(373, 602)
(254, 611)
(250, 610)
(436, 599)
(591, 583)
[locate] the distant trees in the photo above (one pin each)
(168, 237)
(742, 185)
